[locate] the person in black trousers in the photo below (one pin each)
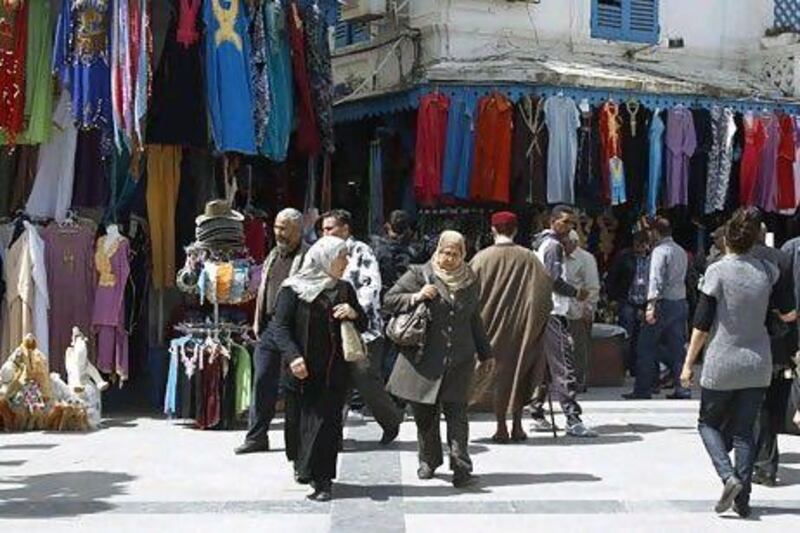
(311, 308)
(283, 261)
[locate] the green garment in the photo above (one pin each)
(39, 84)
(244, 378)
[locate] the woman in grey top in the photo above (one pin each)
(730, 321)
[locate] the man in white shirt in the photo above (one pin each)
(581, 273)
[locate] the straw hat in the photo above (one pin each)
(218, 209)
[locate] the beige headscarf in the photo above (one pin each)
(463, 276)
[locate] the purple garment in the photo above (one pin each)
(91, 187)
(108, 317)
(765, 195)
(681, 142)
(69, 260)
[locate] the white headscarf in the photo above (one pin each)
(314, 277)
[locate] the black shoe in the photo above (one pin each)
(300, 480)
(742, 509)
(730, 491)
(322, 491)
(463, 479)
(424, 472)
(636, 396)
(390, 434)
(251, 446)
(766, 480)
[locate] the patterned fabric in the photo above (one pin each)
(320, 73)
(13, 38)
(720, 159)
(363, 273)
(259, 72)
(279, 65)
(637, 295)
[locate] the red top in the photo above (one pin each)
(754, 138)
(786, 156)
(13, 39)
(491, 169)
(308, 139)
(431, 140)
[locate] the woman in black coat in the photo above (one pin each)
(440, 378)
(307, 328)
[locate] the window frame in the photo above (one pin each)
(624, 31)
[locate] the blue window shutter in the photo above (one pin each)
(642, 21)
(625, 20)
(359, 32)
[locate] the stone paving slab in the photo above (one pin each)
(646, 472)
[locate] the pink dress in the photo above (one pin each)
(108, 318)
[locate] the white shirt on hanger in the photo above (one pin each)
(41, 297)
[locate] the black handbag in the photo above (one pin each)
(409, 331)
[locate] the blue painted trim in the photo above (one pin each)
(409, 99)
(624, 23)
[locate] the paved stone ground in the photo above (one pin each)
(646, 472)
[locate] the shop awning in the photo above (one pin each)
(595, 78)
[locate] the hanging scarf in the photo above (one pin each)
(462, 276)
(314, 277)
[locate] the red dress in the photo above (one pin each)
(754, 138)
(431, 140)
(786, 155)
(491, 168)
(308, 139)
(13, 39)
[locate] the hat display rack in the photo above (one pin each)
(218, 267)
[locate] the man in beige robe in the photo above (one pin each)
(516, 300)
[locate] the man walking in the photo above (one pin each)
(556, 341)
(515, 300)
(283, 261)
(363, 273)
(663, 336)
(582, 273)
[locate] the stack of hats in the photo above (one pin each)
(219, 227)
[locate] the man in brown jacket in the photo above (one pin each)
(515, 304)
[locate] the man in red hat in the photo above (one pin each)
(515, 306)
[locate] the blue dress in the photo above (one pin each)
(460, 146)
(81, 60)
(229, 93)
(279, 71)
(656, 133)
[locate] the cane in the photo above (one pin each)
(552, 414)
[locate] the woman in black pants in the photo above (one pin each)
(310, 308)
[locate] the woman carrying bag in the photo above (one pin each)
(437, 378)
(311, 309)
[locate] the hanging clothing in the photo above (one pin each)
(680, 144)
(755, 136)
(491, 168)
(765, 194)
(459, 146)
(431, 140)
(720, 159)
(108, 316)
(308, 137)
(13, 48)
(617, 177)
(262, 101)
(635, 119)
(41, 295)
(18, 305)
(563, 120)
(178, 107)
(698, 163)
(69, 261)
(22, 184)
(796, 166)
(610, 144)
(229, 91)
(785, 166)
(279, 73)
(90, 185)
(244, 378)
(81, 60)
(51, 195)
(163, 184)
(320, 73)
(588, 179)
(38, 74)
(528, 149)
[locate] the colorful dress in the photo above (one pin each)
(13, 38)
(230, 97)
(279, 71)
(81, 60)
(108, 317)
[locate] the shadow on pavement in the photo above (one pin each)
(352, 446)
(19, 462)
(790, 458)
(543, 439)
(63, 494)
(119, 422)
(788, 476)
(28, 446)
(348, 491)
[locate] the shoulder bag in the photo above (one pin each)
(409, 331)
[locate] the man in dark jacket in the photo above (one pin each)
(626, 285)
(396, 251)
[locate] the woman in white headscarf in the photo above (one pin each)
(306, 326)
(438, 378)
